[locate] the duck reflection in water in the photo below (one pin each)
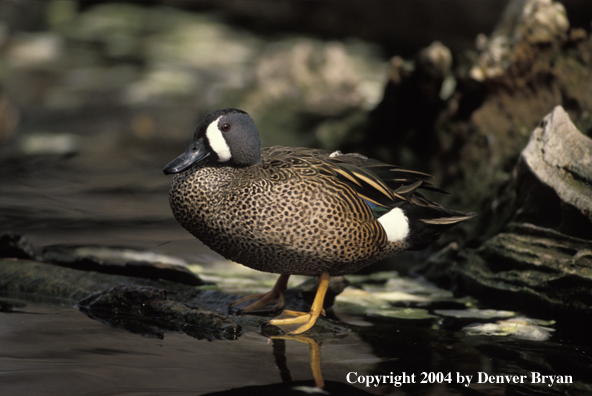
(279, 353)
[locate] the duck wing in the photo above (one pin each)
(377, 183)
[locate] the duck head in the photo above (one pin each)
(226, 137)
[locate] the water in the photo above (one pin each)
(58, 351)
(54, 350)
(103, 194)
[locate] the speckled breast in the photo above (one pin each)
(289, 225)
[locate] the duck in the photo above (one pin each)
(296, 210)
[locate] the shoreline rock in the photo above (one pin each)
(541, 262)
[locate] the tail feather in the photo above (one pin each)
(428, 221)
(448, 220)
(406, 189)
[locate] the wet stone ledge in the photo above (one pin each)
(148, 310)
(532, 269)
(147, 306)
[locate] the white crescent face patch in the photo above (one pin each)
(217, 141)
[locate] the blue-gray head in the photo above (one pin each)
(226, 137)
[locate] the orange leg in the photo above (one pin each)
(276, 293)
(292, 322)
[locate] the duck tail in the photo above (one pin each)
(428, 220)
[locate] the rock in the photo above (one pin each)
(16, 246)
(320, 78)
(402, 126)
(555, 177)
(31, 51)
(435, 61)
(466, 125)
(39, 282)
(523, 23)
(136, 266)
(63, 144)
(488, 120)
(103, 295)
(533, 269)
(541, 262)
(518, 328)
(312, 91)
(159, 67)
(127, 262)
(147, 310)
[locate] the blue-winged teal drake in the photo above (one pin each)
(297, 211)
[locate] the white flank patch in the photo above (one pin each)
(217, 141)
(396, 225)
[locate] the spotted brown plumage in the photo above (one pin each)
(297, 211)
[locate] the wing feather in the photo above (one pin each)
(377, 183)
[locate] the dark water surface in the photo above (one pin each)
(59, 351)
(106, 193)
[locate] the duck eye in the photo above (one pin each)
(225, 127)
